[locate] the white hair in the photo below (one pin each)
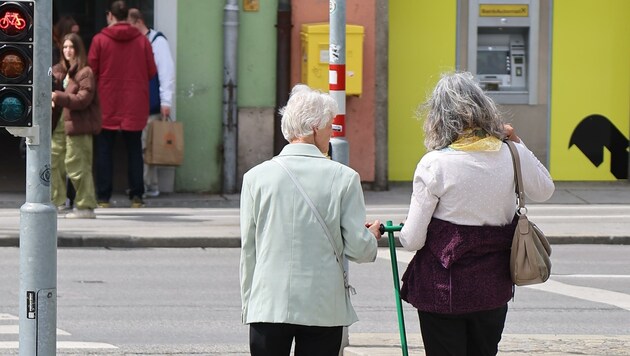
(305, 110)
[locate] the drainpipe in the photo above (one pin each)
(283, 69)
(230, 109)
(381, 174)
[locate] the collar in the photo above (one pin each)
(301, 149)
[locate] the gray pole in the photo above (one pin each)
(230, 109)
(337, 79)
(337, 89)
(38, 217)
(381, 174)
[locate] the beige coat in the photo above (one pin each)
(288, 269)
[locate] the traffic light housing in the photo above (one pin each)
(16, 63)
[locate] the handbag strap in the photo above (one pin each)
(518, 177)
(321, 222)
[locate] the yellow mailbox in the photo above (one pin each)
(315, 42)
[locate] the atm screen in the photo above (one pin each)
(493, 62)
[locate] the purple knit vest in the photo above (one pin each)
(461, 269)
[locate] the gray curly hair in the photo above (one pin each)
(456, 104)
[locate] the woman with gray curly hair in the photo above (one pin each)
(461, 219)
(300, 213)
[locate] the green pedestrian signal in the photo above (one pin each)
(16, 63)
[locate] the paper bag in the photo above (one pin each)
(165, 143)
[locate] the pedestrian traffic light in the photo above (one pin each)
(16, 63)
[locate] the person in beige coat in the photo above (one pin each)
(292, 286)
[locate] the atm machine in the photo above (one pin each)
(503, 48)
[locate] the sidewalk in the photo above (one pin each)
(202, 220)
(512, 345)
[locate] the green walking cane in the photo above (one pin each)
(389, 228)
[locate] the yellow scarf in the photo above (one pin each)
(476, 139)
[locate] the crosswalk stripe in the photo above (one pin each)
(63, 345)
(15, 329)
(619, 300)
(4, 316)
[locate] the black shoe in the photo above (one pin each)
(137, 202)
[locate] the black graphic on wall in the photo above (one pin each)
(595, 133)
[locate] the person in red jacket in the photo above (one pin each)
(122, 60)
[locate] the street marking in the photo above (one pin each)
(15, 329)
(401, 255)
(597, 295)
(620, 300)
(63, 345)
(84, 345)
(8, 317)
(593, 275)
(577, 217)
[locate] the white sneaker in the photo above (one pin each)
(81, 214)
(63, 209)
(152, 194)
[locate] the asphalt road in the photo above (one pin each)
(186, 301)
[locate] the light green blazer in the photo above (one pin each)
(288, 269)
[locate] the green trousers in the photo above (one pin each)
(72, 156)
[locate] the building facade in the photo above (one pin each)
(564, 82)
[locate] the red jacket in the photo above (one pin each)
(122, 61)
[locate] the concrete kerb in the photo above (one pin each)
(128, 241)
(511, 344)
(580, 193)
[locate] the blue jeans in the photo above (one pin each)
(105, 163)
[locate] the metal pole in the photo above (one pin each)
(38, 217)
(392, 252)
(381, 174)
(283, 70)
(230, 109)
(337, 79)
(337, 89)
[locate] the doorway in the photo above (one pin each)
(90, 15)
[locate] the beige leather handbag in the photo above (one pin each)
(529, 258)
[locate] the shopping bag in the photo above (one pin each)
(165, 143)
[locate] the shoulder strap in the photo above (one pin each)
(518, 176)
(157, 34)
(320, 220)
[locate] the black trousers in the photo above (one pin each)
(105, 163)
(471, 334)
(271, 339)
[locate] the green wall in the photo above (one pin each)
(200, 82)
(257, 56)
(199, 93)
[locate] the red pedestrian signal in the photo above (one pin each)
(16, 63)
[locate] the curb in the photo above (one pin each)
(127, 241)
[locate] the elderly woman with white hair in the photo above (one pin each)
(461, 220)
(300, 214)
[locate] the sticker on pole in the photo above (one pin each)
(31, 304)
